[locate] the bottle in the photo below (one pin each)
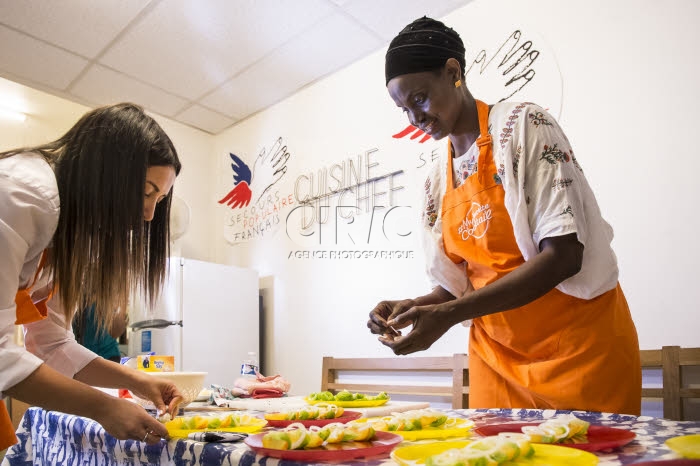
(250, 365)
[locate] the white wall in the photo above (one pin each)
(49, 117)
(621, 78)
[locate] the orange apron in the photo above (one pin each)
(557, 352)
(27, 312)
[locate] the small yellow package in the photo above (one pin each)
(155, 363)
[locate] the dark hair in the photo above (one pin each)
(103, 249)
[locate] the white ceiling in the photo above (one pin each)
(205, 63)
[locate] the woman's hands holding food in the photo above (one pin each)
(385, 311)
(126, 420)
(430, 322)
(161, 392)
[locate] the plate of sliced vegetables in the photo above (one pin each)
(333, 442)
(347, 399)
(319, 415)
(420, 424)
(183, 426)
(596, 438)
(487, 451)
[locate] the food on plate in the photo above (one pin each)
(486, 451)
(319, 411)
(565, 429)
(211, 422)
(416, 419)
(345, 395)
(298, 437)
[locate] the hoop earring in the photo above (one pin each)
(458, 83)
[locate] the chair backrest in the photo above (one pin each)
(671, 360)
(456, 365)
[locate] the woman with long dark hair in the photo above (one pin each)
(83, 220)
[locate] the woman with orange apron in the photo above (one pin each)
(95, 209)
(531, 344)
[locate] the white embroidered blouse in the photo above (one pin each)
(546, 195)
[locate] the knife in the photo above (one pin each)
(217, 437)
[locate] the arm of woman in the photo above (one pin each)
(560, 258)
(52, 391)
(107, 374)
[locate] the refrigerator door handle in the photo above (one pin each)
(154, 323)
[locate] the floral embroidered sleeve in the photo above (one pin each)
(547, 194)
(548, 174)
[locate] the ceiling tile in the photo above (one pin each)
(388, 17)
(104, 86)
(37, 61)
(204, 119)
(294, 65)
(81, 26)
(189, 48)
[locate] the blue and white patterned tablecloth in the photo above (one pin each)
(51, 438)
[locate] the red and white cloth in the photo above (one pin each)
(263, 387)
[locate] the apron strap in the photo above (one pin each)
(26, 310)
(483, 142)
(7, 431)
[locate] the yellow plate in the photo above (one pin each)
(460, 428)
(256, 426)
(545, 455)
(688, 446)
(349, 404)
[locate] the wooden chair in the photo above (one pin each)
(671, 360)
(456, 365)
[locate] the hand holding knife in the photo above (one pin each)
(217, 437)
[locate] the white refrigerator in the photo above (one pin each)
(208, 317)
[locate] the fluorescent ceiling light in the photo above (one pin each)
(12, 115)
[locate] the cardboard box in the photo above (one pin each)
(155, 363)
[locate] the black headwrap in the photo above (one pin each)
(423, 45)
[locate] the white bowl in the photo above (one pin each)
(189, 384)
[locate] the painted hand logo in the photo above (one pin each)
(269, 167)
(416, 133)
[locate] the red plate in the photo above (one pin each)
(383, 442)
(679, 462)
(599, 437)
(346, 417)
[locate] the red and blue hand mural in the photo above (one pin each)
(240, 195)
(269, 168)
(417, 132)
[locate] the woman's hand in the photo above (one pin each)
(163, 393)
(385, 311)
(126, 420)
(430, 322)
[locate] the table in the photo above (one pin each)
(48, 437)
